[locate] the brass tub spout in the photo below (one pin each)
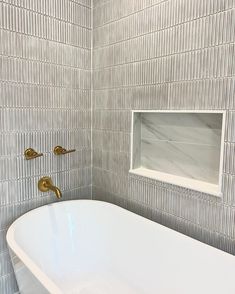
(45, 184)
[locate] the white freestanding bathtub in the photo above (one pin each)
(92, 247)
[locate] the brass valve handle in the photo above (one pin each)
(58, 150)
(30, 153)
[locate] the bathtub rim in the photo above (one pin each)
(46, 282)
(44, 279)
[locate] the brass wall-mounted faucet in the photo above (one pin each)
(58, 150)
(45, 184)
(30, 153)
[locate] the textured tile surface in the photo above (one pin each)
(45, 100)
(148, 54)
(163, 54)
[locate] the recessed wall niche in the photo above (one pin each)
(179, 147)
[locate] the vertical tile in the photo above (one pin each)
(163, 55)
(45, 100)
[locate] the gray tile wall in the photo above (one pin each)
(163, 54)
(148, 54)
(45, 100)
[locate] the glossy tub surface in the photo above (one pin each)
(93, 247)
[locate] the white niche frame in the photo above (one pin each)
(192, 184)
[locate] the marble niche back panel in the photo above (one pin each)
(181, 144)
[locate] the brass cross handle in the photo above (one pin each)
(58, 150)
(30, 153)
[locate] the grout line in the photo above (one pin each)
(166, 83)
(38, 197)
(81, 4)
(44, 130)
(51, 131)
(21, 156)
(128, 15)
(34, 177)
(43, 108)
(217, 201)
(165, 56)
(45, 39)
(44, 62)
(146, 179)
(92, 93)
(164, 28)
(42, 85)
(46, 15)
